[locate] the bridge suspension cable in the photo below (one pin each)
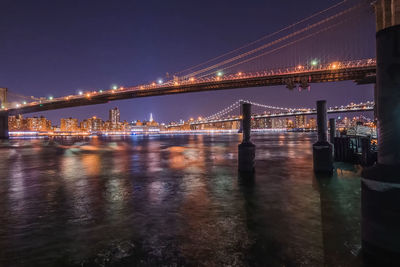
(270, 44)
(265, 37)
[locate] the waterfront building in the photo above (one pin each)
(69, 125)
(114, 118)
(278, 123)
(300, 121)
(93, 124)
(289, 123)
(17, 123)
(38, 124)
(312, 123)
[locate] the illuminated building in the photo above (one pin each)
(151, 122)
(300, 121)
(69, 125)
(92, 124)
(38, 124)
(289, 123)
(114, 118)
(277, 123)
(312, 123)
(16, 123)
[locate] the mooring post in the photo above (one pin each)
(247, 149)
(322, 149)
(380, 187)
(4, 125)
(332, 130)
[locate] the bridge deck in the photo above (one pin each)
(355, 73)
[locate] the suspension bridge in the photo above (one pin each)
(232, 112)
(308, 51)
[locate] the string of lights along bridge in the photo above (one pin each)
(231, 113)
(312, 50)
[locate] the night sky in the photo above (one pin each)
(55, 48)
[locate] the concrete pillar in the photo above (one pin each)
(3, 125)
(380, 186)
(332, 130)
(247, 149)
(322, 149)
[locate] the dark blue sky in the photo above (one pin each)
(54, 48)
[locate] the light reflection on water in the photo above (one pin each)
(174, 200)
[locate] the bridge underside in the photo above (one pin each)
(354, 74)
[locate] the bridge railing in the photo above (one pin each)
(333, 66)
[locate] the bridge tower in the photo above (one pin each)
(3, 96)
(381, 183)
(3, 115)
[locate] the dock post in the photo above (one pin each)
(247, 149)
(4, 125)
(322, 149)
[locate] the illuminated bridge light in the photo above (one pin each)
(160, 81)
(115, 87)
(24, 102)
(153, 84)
(314, 62)
(80, 93)
(50, 98)
(191, 79)
(219, 73)
(101, 91)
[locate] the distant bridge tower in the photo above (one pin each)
(3, 96)
(381, 183)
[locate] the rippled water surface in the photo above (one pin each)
(174, 201)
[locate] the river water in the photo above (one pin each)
(174, 200)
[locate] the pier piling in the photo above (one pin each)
(322, 149)
(246, 149)
(4, 125)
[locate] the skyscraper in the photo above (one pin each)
(114, 117)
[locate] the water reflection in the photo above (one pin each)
(173, 200)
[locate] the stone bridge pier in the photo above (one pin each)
(381, 184)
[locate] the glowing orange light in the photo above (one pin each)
(239, 74)
(334, 65)
(176, 83)
(191, 79)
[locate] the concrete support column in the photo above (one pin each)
(4, 125)
(381, 184)
(247, 149)
(332, 130)
(322, 149)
